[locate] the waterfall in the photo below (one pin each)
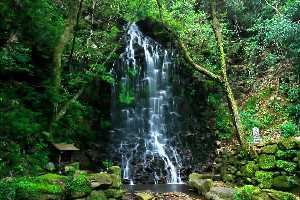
(145, 73)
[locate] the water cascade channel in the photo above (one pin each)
(144, 110)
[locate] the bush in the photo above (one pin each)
(288, 129)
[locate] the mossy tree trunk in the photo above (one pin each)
(223, 79)
(230, 96)
(70, 22)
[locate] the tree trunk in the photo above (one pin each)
(230, 97)
(74, 35)
(58, 50)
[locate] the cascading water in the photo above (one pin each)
(145, 93)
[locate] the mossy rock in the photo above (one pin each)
(297, 141)
(229, 178)
(249, 169)
(279, 195)
(289, 143)
(286, 165)
(250, 192)
(79, 186)
(198, 184)
(97, 195)
(265, 179)
(269, 149)
(143, 196)
(266, 161)
(36, 189)
(52, 178)
(195, 176)
(222, 193)
(284, 182)
(114, 193)
(116, 170)
(286, 154)
(101, 180)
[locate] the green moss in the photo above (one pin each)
(286, 154)
(269, 149)
(97, 195)
(265, 179)
(281, 195)
(285, 165)
(7, 190)
(246, 192)
(249, 169)
(284, 182)
(78, 184)
(114, 193)
(52, 178)
(266, 161)
(228, 177)
(288, 143)
(116, 181)
(115, 170)
(30, 188)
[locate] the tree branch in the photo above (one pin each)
(199, 68)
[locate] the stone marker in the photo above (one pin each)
(256, 135)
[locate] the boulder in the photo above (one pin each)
(114, 193)
(220, 193)
(250, 192)
(229, 178)
(286, 165)
(200, 185)
(97, 195)
(279, 195)
(289, 143)
(100, 180)
(144, 196)
(249, 169)
(286, 154)
(265, 179)
(284, 182)
(116, 170)
(269, 149)
(266, 161)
